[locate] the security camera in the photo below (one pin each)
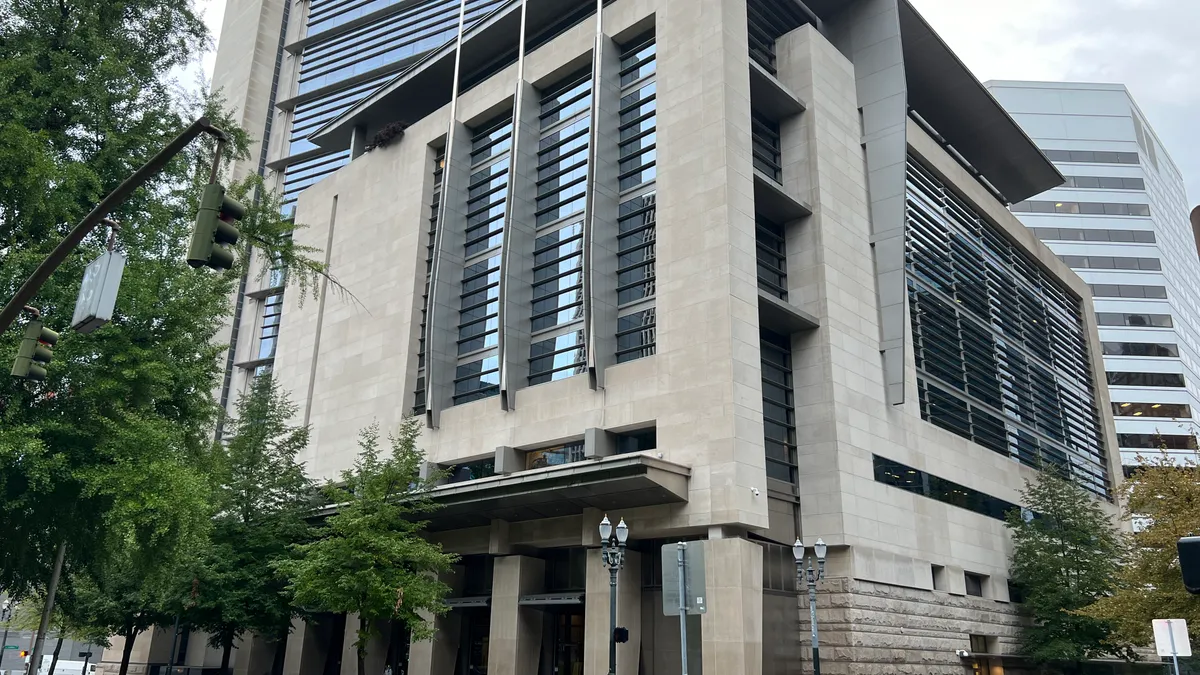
(962, 653)
(755, 491)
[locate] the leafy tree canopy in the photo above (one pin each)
(369, 558)
(1063, 560)
(1163, 498)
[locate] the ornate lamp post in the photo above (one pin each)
(811, 578)
(613, 554)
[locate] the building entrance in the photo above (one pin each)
(562, 641)
(473, 644)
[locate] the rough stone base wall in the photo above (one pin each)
(869, 628)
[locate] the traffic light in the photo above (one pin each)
(24, 653)
(620, 635)
(35, 353)
(1189, 563)
(215, 232)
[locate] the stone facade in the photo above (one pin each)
(895, 599)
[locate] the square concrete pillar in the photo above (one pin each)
(437, 656)
(629, 614)
(349, 652)
(254, 655)
(516, 632)
(731, 631)
(304, 654)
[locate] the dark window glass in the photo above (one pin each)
(1171, 410)
(636, 441)
(779, 408)
(1145, 379)
(476, 380)
(472, 470)
(636, 250)
(557, 357)
(919, 482)
(560, 454)
(772, 257)
(1000, 346)
(635, 335)
(764, 136)
(1157, 441)
(975, 587)
(1128, 291)
(1091, 157)
(1140, 349)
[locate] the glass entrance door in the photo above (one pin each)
(568, 641)
(473, 645)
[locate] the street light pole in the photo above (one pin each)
(613, 555)
(810, 578)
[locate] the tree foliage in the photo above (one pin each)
(369, 558)
(263, 501)
(1064, 559)
(1163, 498)
(112, 450)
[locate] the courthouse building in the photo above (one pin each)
(736, 271)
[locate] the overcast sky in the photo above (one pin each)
(1150, 46)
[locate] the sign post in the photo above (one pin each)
(1171, 639)
(684, 590)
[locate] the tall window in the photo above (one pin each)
(1000, 348)
(772, 257)
(636, 224)
(557, 347)
(268, 338)
(779, 406)
(439, 169)
(478, 372)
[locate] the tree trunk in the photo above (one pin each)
(130, 636)
(225, 649)
(54, 658)
(361, 647)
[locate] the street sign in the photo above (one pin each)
(85, 655)
(695, 590)
(11, 647)
(1171, 637)
(98, 292)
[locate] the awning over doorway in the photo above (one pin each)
(610, 483)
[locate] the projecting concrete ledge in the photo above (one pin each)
(782, 316)
(772, 201)
(770, 96)
(610, 483)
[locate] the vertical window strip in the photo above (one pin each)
(767, 155)
(439, 170)
(268, 339)
(772, 257)
(558, 349)
(779, 406)
(636, 225)
(478, 372)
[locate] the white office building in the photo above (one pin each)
(1121, 222)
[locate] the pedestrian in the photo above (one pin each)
(387, 670)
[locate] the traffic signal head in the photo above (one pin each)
(1189, 563)
(34, 353)
(620, 635)
(215, 232)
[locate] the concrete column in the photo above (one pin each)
(516, 631)
(254, 655)
(437, 656)
(305, 654)
(731, 631)
(376, 655)
(598, 443)
(629, 614)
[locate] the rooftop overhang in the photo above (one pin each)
(426, 86)
(610, 483)
(945, 93)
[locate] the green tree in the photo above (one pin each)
(1064, 559)
(370, 558)
(1163, 498)
(118, 437)
(264, 500)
